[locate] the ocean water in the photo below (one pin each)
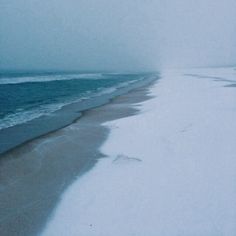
(24, 97)
(34, 104)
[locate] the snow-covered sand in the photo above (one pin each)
(171, 169)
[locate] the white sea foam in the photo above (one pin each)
(21, 116)
(103, 90)
(24, 116)
(47, 78)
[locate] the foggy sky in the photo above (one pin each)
(116, 34)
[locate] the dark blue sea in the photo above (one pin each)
(24, 97)
(32, 104)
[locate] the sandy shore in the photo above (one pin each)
(34, 175)
(171, 169)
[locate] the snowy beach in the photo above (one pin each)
(117, 118)
(169, 170)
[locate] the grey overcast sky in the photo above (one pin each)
(116, 34)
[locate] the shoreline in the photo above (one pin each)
(21, 134)
(34, 175)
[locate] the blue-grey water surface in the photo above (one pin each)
(34, 104)
(24, 97)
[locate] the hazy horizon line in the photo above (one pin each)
(53, 70)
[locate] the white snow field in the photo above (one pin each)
(172, 168)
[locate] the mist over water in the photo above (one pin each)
(112, 35)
